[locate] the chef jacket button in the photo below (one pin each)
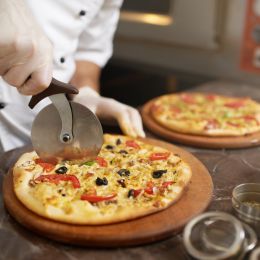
(82, 13)
(62, 59)
(2, 105)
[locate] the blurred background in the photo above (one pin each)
(164, 46)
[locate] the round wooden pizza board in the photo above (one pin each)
(196, 140)
(143, 230)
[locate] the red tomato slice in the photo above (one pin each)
(175, 109)
(46, 166)
(235, 104)
(188, 98)
(56, 178)
(95, 198)
(132, 143)
(159, 156)
(211, 97)
(101, 161)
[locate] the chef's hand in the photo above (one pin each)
(25, 51)
(128, 118)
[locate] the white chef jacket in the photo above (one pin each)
(78, 30)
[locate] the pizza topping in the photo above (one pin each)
(95, 198)
(235, 104)
(32, 183)
(175, 109)
(46, 166)
(124, 172)
(62, 170)
(118, 141)
(166, 184)
(158, 174)
(100, 181)
(109, 147)
(123, 152)
(188, 98)
(133, 193)
(56, 178)
(132, 143)
(159, 156)
(233, 124)
(150, 188)
(211, 97)
(101, 161)
(250, 118)
(122, 183)
(89, 163)
(211, 124)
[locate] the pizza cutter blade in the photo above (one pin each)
(65, 130)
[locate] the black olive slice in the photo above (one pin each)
(100, 181)
(123, 172)
(158, 174)
(122, 183)
(62, 170)
(109, 147)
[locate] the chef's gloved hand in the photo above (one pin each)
(128, 118)
(25, 52)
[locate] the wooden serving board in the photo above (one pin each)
(196, 140)
(143, 230)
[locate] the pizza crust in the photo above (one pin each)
(44, 200)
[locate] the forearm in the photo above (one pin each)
(86, 74)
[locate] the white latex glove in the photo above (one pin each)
(128, 118)
(25, 51)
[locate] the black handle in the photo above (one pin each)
(56, 87)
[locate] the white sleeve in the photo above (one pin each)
(96, 41)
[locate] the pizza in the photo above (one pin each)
(129, 178)
(207, 114)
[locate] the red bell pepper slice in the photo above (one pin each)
(175, 110)
(250, 118)
(137, 192)
(56, 178)
(233, 124)
(101, 161)
(132, 143)
(159, 156)
(188, 98)
(96, 198)
(167, 183)
(235, 104)
(149, 187)
(46, 166)
(211, 97)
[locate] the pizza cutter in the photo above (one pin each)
(65, 130)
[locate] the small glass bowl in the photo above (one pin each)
(214, 235)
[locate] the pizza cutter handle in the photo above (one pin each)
(56, 87)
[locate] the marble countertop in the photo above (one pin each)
(227, 168)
